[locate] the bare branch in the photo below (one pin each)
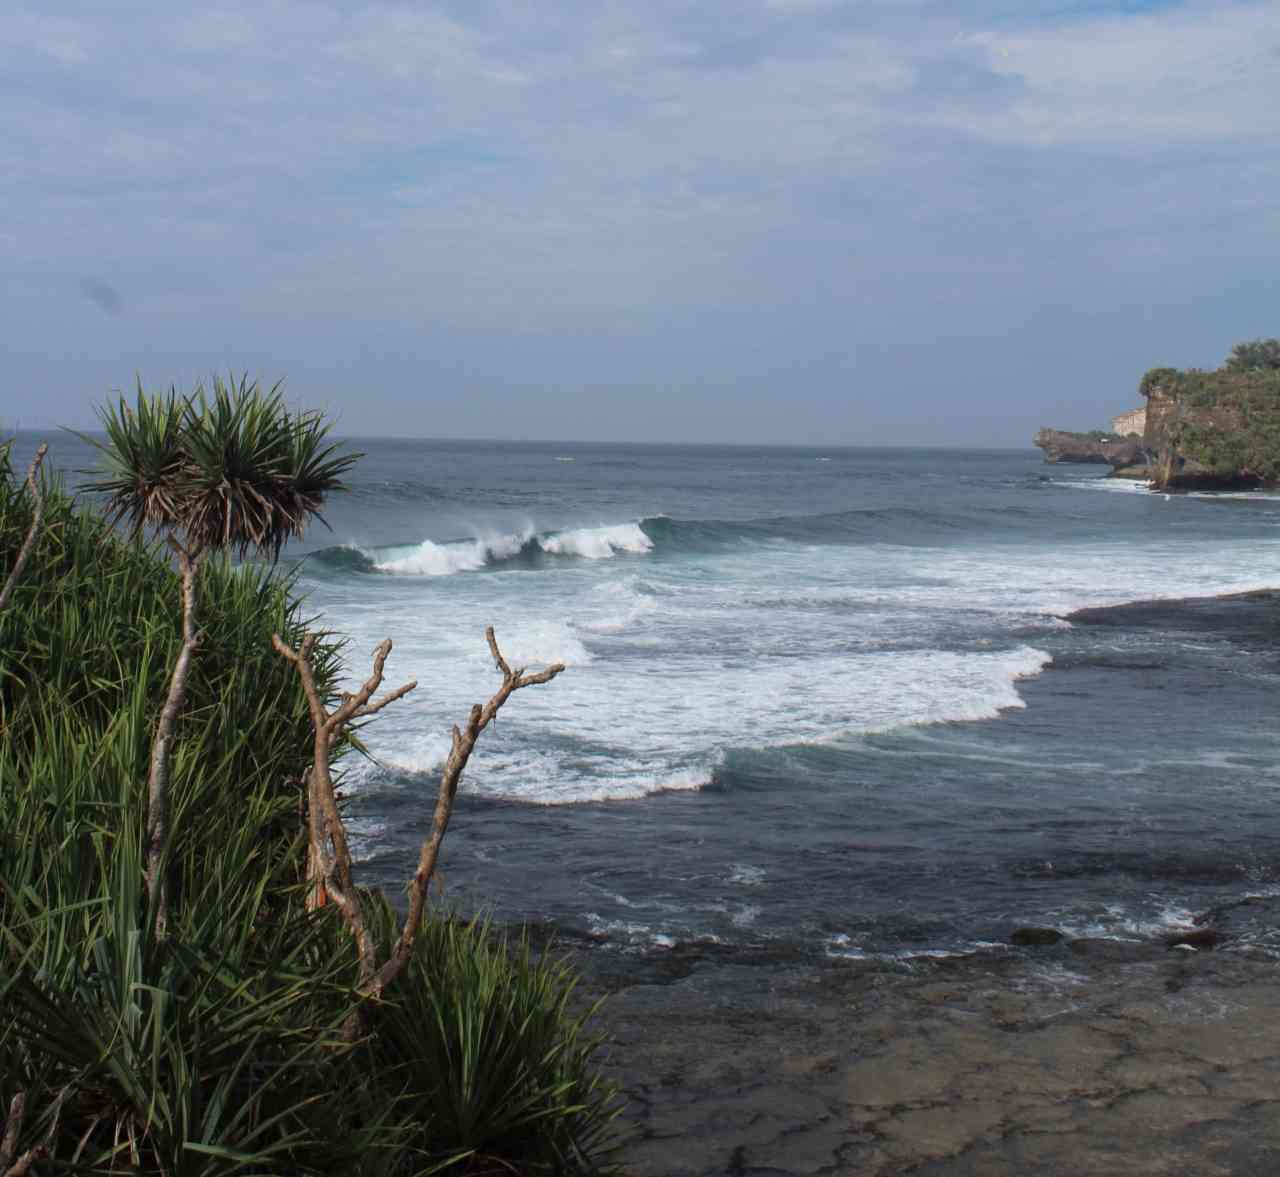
(498, 660)
(12, 1129)
(22, 1166)
(464, 740)
(329, 860)
(541, 677)
(328, 855)
(9, 1167)
(374, 708)
(37, 515)
(352, 703)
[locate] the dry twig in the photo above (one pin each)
(37, 515)
(464, 740)
(10, 1164)
(12, 1127)
(329, 864)
(329, 857)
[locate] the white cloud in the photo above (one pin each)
(504, 165)
(1203, 72)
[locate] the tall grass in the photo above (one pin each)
(216, 1048)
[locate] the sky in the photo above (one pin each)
(848, 222)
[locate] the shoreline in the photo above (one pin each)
(1093, 1055)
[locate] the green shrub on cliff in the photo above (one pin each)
(1225, 422)
(1155, 378)
(1256, 353)
(1234, 424)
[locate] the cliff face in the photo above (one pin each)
(1213, 430)
(1059, 445)
(1170, 469)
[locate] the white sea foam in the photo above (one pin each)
(542, 643)
(620, 605)
(1130, 485)
(612, 733)
(432, 559)
(1115, 922)
(1121, 485)
(447, 559)
(598, 543)
(749, 646)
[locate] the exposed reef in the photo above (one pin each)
(1093, 1056)
(1148, 1054)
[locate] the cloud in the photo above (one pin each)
(608, 170)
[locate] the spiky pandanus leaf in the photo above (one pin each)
(257, 473)
(144, 459)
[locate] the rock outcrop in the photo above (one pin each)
(1205, 437)
(1059, 445)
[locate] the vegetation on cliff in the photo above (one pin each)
(1217, 427)
(220, 1041)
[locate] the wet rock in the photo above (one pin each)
(1061, 445)
(1035, 937)
(1116, 951)
(1194, 938)
(1001, 1066)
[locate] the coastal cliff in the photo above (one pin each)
(1213, 430)
(1060, 445)
(1204, 430)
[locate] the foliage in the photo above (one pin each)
(152, 1055)
(1155, 378)
(84, 648)
(492, 1061)
(235, 469)
(233, 472)
(1256, 353)
(1232, 422)
(1226, 423)
(215, 1049)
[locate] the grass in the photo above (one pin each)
(217, 1049)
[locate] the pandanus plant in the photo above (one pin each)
(234, 470)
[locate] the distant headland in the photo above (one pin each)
(1206, 430)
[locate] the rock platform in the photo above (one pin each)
(1089, 1057)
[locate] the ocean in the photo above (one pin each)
(818, 702)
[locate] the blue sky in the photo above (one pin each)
(798, 221)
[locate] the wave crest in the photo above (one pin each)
(527, 549)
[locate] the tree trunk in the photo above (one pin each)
(157, 835)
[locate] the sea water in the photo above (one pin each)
(819, 698)
(795, 707)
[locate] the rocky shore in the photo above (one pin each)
(1098, 1057)
(1084, 1056)
(1120, 453)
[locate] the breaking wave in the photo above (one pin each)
(527, 549)
(536, 549)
